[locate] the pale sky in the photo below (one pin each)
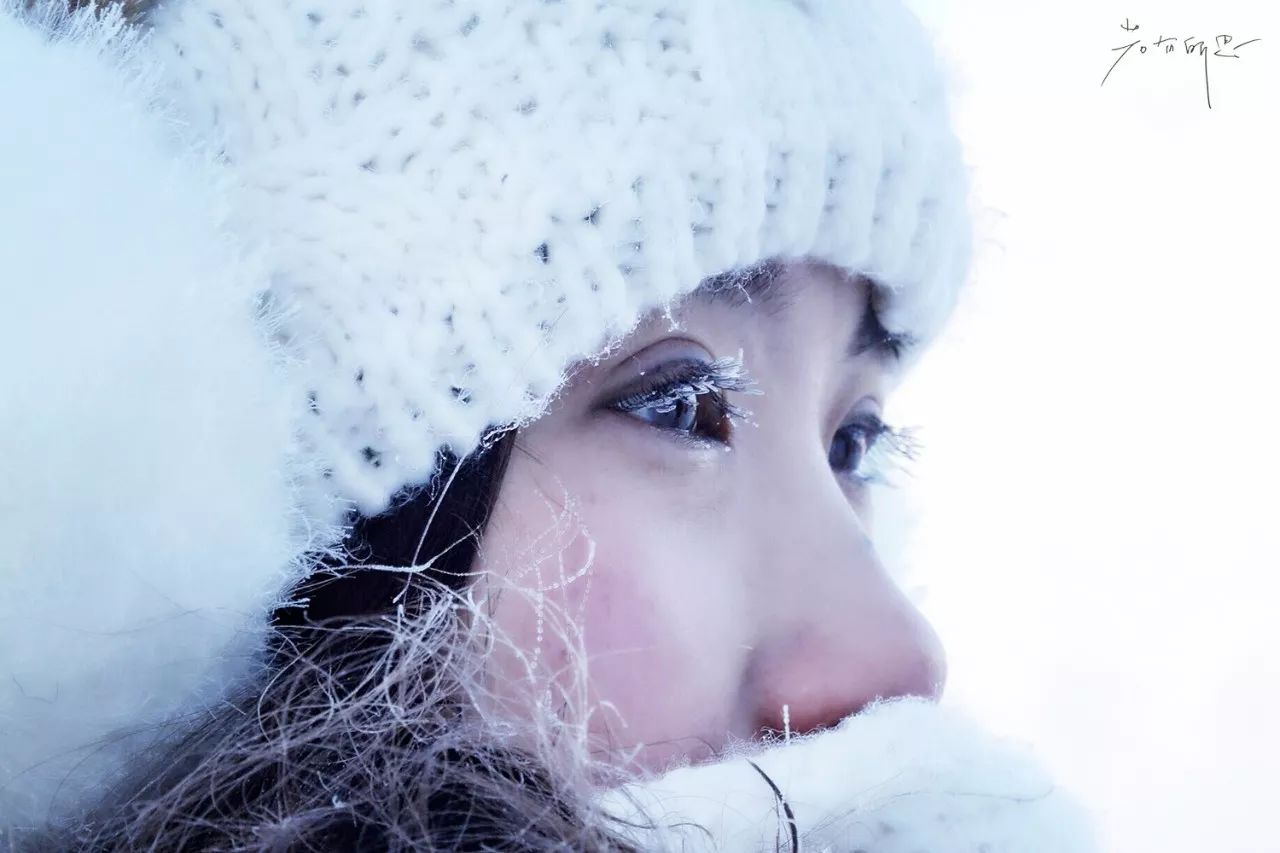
(1098, 486)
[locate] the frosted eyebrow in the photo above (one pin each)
(758, 286)
(872, 336)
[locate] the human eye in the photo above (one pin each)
(864, 447)
(686, 398)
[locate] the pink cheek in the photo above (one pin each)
(660, 665)
(663, 686)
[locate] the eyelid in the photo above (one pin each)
(652, 379)
(650, 357)
(865, 409)
(657, 355)
(869, 420)
(673, 384)
(717, 376)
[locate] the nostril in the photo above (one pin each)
(804, 711)
(805, 718)
(814, 682)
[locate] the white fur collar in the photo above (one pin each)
(901, 777)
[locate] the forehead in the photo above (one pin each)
(771, 286)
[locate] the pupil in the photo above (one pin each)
(685, 414)
(844, 454)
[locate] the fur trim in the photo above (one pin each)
(146, 509)
(900, 777)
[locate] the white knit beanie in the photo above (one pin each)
(460, 199)
(441, 205)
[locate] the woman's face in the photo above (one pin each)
(718, 567)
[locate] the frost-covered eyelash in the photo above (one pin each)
(891, 448)
(676, 382)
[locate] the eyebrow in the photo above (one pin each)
(758, 285)
(746, 285)
(871, 335)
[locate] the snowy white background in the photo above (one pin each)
(1099, 481)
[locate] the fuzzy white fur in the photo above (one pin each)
(146, 508)
(900, 777)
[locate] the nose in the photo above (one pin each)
(838, 633)
(840, 662)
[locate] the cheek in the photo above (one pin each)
(654, 606)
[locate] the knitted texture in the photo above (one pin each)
(459, 200)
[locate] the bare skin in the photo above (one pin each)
(719, 569)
